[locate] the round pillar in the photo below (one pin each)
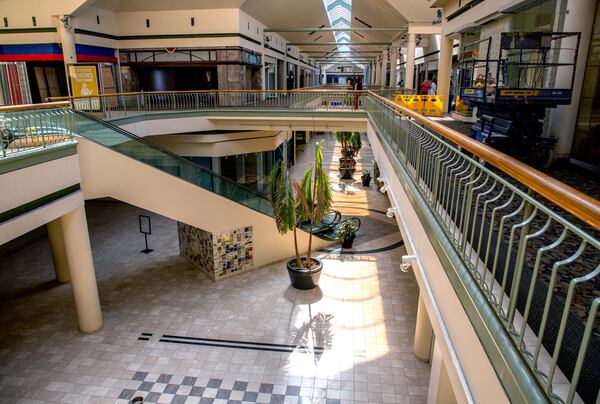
(423, 333)
(83, 277)
(445, 69)
(409, 80)
(59, 255)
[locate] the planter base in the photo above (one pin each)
(304, 279)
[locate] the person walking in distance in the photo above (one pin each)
(358, 86)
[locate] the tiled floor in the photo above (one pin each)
(172, 335)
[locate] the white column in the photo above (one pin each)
(383, 76)
(59, 254)
(440, 389)
(263, 73)
(298, 73)
(423, 333)
(444, 69)
(67, 42)
(393, 65)
(580, 18)
(409, 81)
(83, 277)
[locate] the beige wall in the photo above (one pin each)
(30, 183)
(168, 126)
(220, 145)
(480, 376)
(158, 192)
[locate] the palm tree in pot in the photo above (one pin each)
(308, 200)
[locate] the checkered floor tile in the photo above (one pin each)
(164, 388)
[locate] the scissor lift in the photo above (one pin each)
(528, 73)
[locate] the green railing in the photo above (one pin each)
(67, 122)
(527, 277)
(24, 129)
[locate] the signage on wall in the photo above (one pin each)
(84, 83)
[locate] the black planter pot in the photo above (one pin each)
(366, 181)
(347, 242)
(304, 279)
(347, 173)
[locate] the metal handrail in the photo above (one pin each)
(582, 206)
(521, 270)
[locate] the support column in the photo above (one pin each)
(440, 389)
(83, 278)
(383, 76)
(445, 69)
(297, 74)
(393, 65)
(563, 119)
(67, 42)
(59, 254)
(423, 333)
(409, 80)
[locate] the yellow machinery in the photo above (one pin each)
(428, 105)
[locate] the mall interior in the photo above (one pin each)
(318, 201)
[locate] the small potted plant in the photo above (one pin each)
(346, 233)
(366, 178)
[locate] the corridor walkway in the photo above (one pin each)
(172, 335)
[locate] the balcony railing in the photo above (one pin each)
(519, 263)
(23, 128)
(527, 276)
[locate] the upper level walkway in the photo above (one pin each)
(492, 241)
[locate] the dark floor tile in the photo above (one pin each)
(152, 398)
(333, 401)
(163, 378)
(140, 376)
(146, 386)
(171, 389)
(266, 388)
(250, 396)
(189, 381)
(240, 386)
(178, 399)
(277, 399)
(127, 394)
(197, 391)
(214, 383)
(292, 391)
(223, 394)
(233, 402)
(206, 400)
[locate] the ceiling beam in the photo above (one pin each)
(336, 43)
(328, 29)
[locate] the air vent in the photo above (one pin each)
(147, 23)
(362, 22)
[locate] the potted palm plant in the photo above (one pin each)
(345, 139)
(346, 233)
(356, 143)
(366, 178)
(308, 200)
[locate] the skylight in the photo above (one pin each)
(339, 13)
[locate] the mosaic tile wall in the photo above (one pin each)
(217, 254)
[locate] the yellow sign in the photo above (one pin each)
(84, 83)
(84, 80)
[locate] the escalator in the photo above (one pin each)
(117, 164)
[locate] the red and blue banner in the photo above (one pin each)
(53, 52)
